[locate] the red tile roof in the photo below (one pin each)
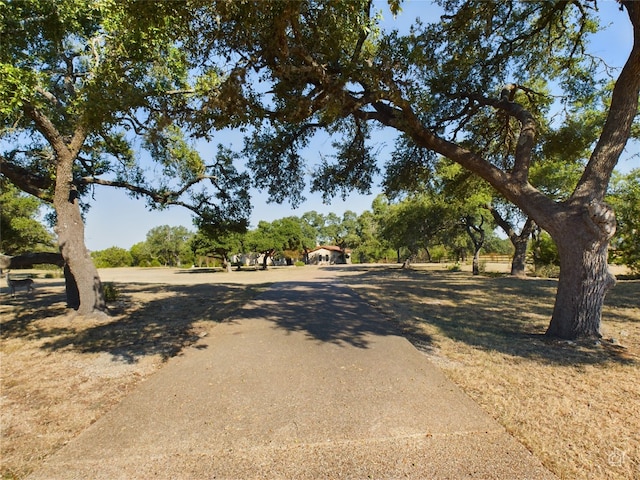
(333, 248)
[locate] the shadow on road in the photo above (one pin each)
(164, 319)
(324, 312)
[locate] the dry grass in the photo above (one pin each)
(575, 406)
(59, 374)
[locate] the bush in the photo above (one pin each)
(111, 293)
(547, 271)
(454, 268)
(544, 251)
(112, 257)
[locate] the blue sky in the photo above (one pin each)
(118, 220)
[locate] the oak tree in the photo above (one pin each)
(84, 88)
(317, 65)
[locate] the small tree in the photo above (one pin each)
(170, 245)
(20, 231)
(418, 222)
(210, 244)
(141, 255)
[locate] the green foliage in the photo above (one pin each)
(418, 222)
(111, 292)
(625, 198)
(544, 253)
(20, 232)
(112, 257)
(371, 247)
(170, 246)
(141, 255)
(288, 237)
(494, 244)
(220, 247)
(112, 77)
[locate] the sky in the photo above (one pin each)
(115, 219)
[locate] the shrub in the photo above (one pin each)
(111, 292)
(112, 257)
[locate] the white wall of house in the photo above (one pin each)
(328, 256)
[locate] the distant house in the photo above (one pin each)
(328, 255)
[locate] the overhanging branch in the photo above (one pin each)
(26, 181)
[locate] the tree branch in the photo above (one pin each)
(617, 128)
(528, 128)
(26, 181)
(163, 198)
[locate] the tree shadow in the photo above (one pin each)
(19, 313)
(147, 320)
(494, 313)
(504, 314)
(324, 312)
(165, 319)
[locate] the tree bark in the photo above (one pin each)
(69, 222)
(71, 289)
(585, 278)
(519, 260)
(70, 231)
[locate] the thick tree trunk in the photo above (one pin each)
(519, 260)
(70, 231)
(519, 241)
(584, 274)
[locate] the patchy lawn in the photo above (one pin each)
(574, 405)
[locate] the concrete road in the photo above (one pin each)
(307, 381)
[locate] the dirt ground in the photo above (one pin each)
(573, 405)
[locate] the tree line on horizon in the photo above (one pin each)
(415, 229)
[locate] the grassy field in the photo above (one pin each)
(575, 406)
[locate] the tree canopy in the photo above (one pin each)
(110, 77)
(20, 230)
(474, 86)
(497, 88)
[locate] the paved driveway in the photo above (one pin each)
(306, 381)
